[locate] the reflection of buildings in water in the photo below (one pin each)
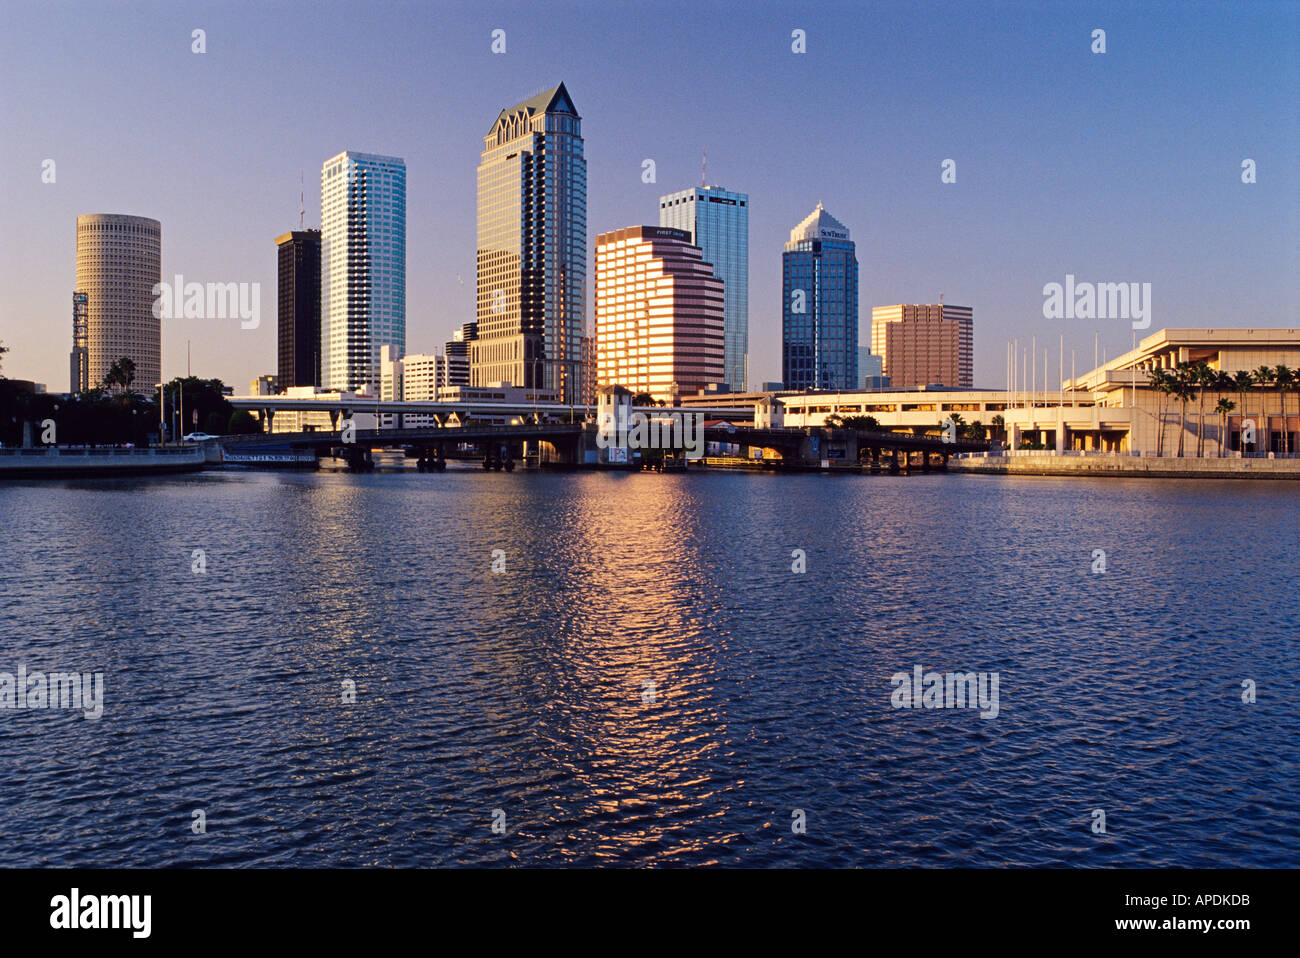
(614, 632)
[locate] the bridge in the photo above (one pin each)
(576, 444)
(442, 411)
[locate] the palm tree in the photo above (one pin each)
(958, 426)
(1183, 390)
(121, 373)
(1264, 380)
(1202, 377)
(1224, 407)
(999, 424)
(1285, 378)
(1223, 384)
(1242, 381)
(1161, 382)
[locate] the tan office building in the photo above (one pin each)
(659, 313)
(925, 344)
(119, 261)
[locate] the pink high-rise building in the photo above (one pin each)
(659, 313)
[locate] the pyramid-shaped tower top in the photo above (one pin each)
(819, 225)
(554, 100)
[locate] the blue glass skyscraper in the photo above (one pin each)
(819, 326)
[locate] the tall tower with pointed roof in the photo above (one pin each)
(532, 249)
(819, 327)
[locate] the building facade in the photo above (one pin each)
(363, 267)
(79, 361)
(718, 221)
(532, 249)
(456, 356)
(925, 344)
(660, 320)
(119, 264)
(1111, 409)
(267, 385)
(299, 290)
(819, 327)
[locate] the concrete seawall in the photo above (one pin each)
(1162, 467)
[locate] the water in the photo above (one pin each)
(526, 692)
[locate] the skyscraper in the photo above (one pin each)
(532, 248)
(119, 262)
(298, 253)
(363, 266)
(819, 328)
(924, 344)
(660, 321)
(718, 221)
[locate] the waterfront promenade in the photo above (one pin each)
(1119, 464)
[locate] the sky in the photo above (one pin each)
(1123, 166)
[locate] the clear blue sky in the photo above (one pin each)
(1116, 167)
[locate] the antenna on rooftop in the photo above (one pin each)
(704, 170)
(302, 205)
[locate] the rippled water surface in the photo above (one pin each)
(648, 682)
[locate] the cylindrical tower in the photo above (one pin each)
(119, 261)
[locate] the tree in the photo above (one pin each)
(999, 425)
(200, 399)
(1224, 407)
(1162, 382)
(1184, 391)
(1202, 377)
(122, 374)
(242, 423)
(1264, 380)
(1285, 378)
(1242, 381)
(976, 431)
(862, 423)
(643, 399)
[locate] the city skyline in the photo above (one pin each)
(1169, 212)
